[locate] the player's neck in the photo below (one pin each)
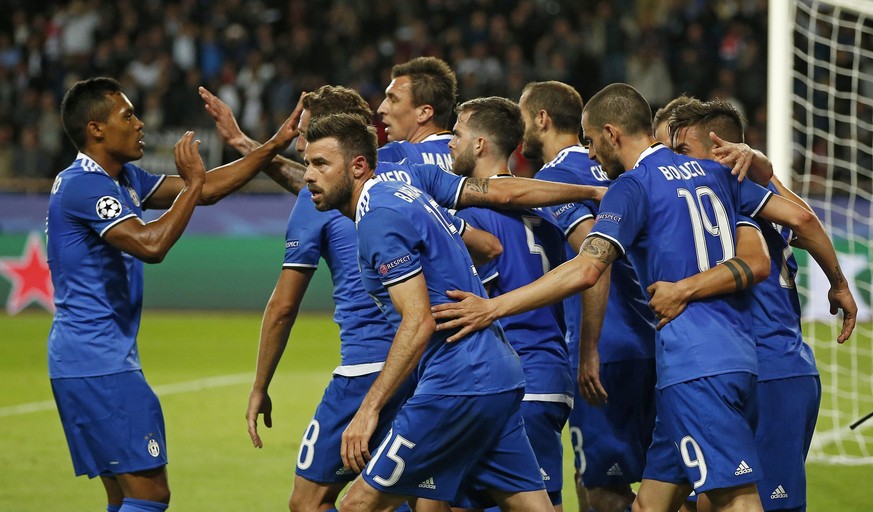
(424, 131)
(486, 168)
(553, 144)
(632, 147)
(109, 164)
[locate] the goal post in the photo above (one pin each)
(820, 140)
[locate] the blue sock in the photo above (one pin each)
(135, 505)
(113, 508)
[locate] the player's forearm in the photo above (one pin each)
(568, 278)
(728, 277)
(760, 168)
(153, 241)
(482, 245)
(594, 301)
(228, 178)
(275, 330)
(524, 193)
(787, 193)
(406, 350)
(287, 173)
(812, 237)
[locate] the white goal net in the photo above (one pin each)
(820, 135)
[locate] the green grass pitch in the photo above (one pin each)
(201, 364)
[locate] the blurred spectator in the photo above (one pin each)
(260, 55)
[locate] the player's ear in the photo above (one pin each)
(479, 145)
(360, 166)
(613, 133)
(94, 130)
(425, 113)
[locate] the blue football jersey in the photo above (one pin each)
(675, 217)
(629, 325)
(402, 233)
(776, 312)
(533, 244)
(98, 288)
(433, 150)
(365, 333)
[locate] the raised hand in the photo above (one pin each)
(290, 128)
(188, 161)
(225, 122)
(742, 159)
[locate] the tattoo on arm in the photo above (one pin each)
(475, 186)
(598, 249)
(735, 265)
(838, 275)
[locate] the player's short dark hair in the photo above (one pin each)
(87, 101)
(561, 101)
(433, 83)
(355, 136)
(497, 117)
(717, 116)
(663, 114)
(333, 99)
(620, 105)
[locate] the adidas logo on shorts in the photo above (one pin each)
(743, 468)
(428, 484)
(779, 493)
(544, 475)
(615, 470)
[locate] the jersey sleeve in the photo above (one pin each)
(389, 244)
(570, 215)
(148, 183)
(752, 197)
(473, 216)
(390, 152)
(304, 234)
(444, 187)
(96, 200)
(622, 213)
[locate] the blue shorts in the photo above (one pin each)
(113, 423)
(610, 442)
(544, 422)
(319, 457)
(704, 433)
(788, 409)
(441, 447)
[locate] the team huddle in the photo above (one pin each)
(640, 288)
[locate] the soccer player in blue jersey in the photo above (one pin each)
(614, 412)
(417, 112)
(462, 428)
(789, 388)
(310, 235)
(674, 217)
(486, 133)
(97, 244)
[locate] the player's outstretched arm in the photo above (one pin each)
(151, 242)
(282, 170)
(279, 317)
(812, 237)
(524, 193)
(472, 313)
(411, 299)
(593, 303)
(750, 266)
(228, 178)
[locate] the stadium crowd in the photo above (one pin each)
(257, 55)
